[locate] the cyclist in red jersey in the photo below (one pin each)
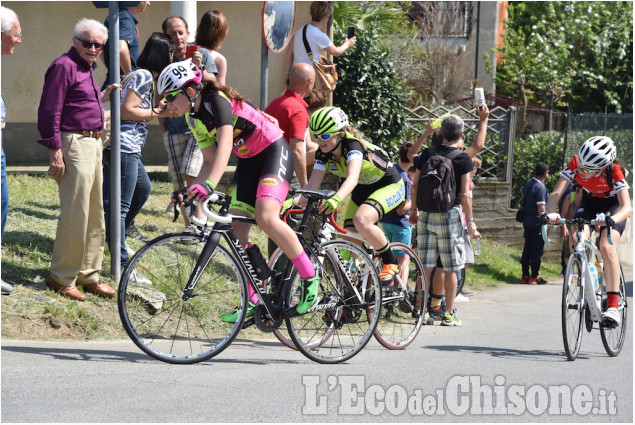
(605, 199)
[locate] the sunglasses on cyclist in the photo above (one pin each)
(323, 136)
(89, 44)
(587, 171)
(169, 98)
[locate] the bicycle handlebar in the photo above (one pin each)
(296, 211)
(579, 222)
(214, 198)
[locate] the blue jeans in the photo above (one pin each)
(135, 191)
(5, 194)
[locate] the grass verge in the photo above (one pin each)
(34, 312)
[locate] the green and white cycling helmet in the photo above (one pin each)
(597, 153)
(328, 120)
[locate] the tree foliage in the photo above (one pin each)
(576, 54)
(547, 147)
(370, 90)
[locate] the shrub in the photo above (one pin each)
(547, 147)
(370, 91)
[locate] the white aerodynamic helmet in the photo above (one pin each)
(597, 153)
(177, 75)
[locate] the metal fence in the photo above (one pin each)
(497, 155)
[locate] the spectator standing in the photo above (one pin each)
(136, 110)
(478, 145)
(184, 155)
(440, 234)
(128, 41)
(396, 224)
(290, 110)
(535, 196)
(319, 41)
(70, 119)
(11, 35)
(210, 34)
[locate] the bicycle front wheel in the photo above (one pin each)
(573, 307)
(402, 302)
(165, 323)
(342, 322)
(613, 337)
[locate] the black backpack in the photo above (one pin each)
(436, 191)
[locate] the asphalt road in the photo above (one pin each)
(505, 364)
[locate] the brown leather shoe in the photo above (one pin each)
(67, 291)
(100, 288)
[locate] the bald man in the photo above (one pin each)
(293, 119)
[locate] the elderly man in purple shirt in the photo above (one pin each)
(70, 119)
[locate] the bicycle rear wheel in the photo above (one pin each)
(157, 316)
(402, 307)
(613, 337)
(342, 322)
(572, 307)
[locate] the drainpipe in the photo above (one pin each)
(478, 35)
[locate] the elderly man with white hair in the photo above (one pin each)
(70, 119)
(11, 35)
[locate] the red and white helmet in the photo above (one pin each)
(177, 75)
(597, 153)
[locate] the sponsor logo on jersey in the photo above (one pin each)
(396, 197)
(269, 182)
(332, 166)
(238, 142)
(243, 150)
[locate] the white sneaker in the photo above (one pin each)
(6, 287)
(131, 251)
(136, 277)
(612, 315)
(460, 298)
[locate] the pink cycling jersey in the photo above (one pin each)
(252, 130)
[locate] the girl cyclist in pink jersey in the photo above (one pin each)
(222, 121)
(605, 190)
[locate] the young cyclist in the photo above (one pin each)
(605, 190)
(375, 186)
(222, 121)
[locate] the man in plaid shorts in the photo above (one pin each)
(184, 155)
(440, 234)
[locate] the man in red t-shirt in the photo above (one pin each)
(293, 119)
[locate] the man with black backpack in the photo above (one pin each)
(441, 184)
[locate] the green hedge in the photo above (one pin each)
(547, 147)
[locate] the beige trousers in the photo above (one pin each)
(81, 231)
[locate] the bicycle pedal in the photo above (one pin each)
(248, 323)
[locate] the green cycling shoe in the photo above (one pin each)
(233, 316)
(309, 294)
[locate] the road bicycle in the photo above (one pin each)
(194, 281)
(402, 313)
(582, 301)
